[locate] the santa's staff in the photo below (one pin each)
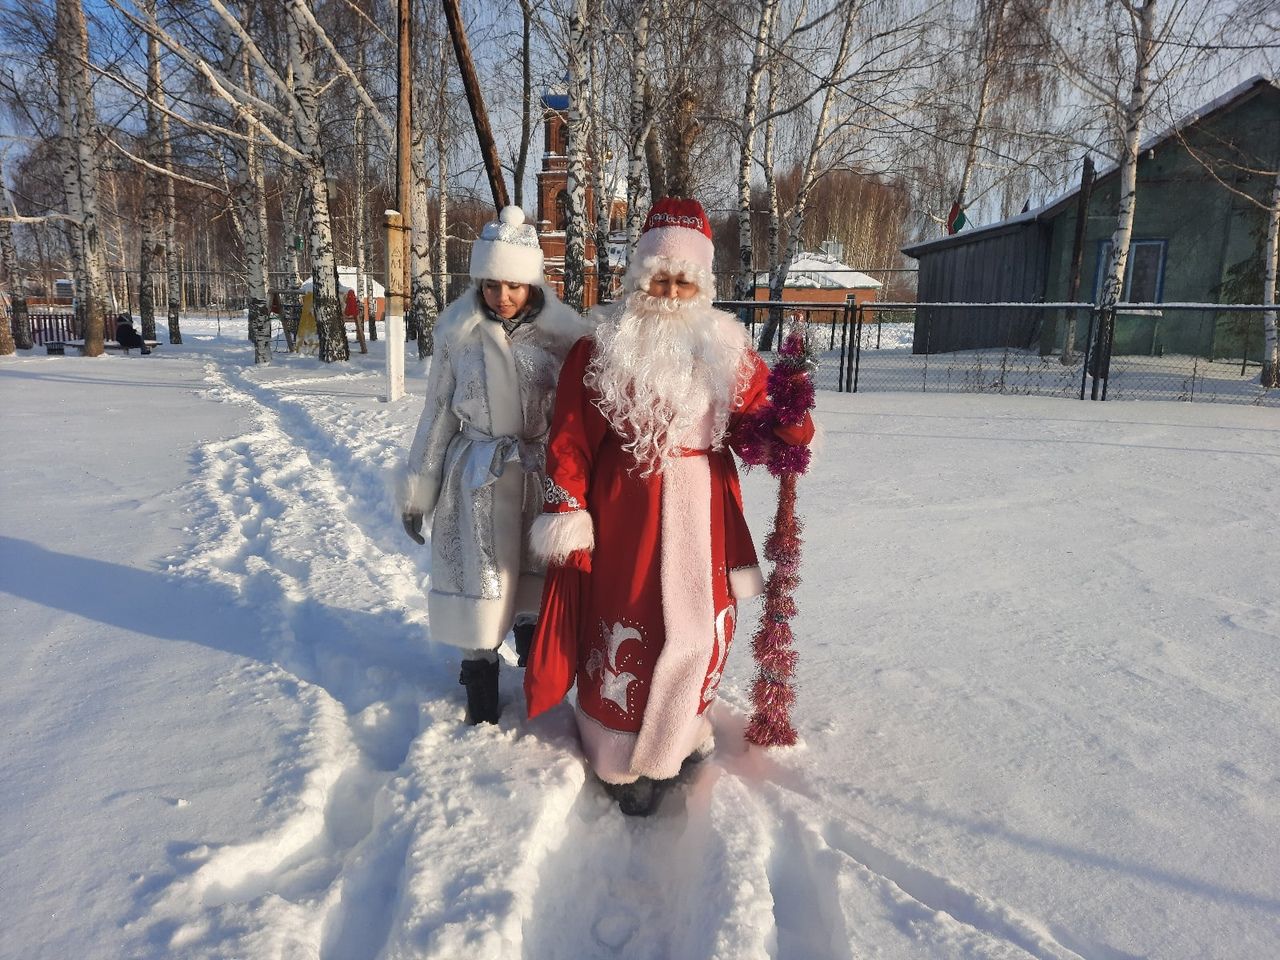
(790, 399)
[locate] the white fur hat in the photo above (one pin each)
(508, 249)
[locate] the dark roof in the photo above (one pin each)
(1231, 99)
(555, 101)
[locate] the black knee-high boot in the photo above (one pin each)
(480, 677)
(524, 641)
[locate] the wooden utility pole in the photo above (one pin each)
(471, 83)
(404, 140)
(1077, 257)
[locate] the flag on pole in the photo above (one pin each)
(956, 218)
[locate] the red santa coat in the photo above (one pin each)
(643, 623)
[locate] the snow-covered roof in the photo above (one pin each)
(819, 271)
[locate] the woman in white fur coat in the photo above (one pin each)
(476, 464)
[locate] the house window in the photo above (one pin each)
(1143, 273)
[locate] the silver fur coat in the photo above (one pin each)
(475, 466)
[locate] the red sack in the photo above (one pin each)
(553, 659)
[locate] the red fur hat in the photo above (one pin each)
(677, 230)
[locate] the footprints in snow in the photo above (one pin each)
(741, 861)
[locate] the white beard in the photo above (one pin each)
(660, 367)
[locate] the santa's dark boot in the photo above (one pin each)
(636, 799)
(524, 641)
(480, 677)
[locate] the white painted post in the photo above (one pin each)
(397, 296)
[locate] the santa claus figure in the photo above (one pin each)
(642, 518)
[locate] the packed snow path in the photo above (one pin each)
(378, 857)
(990, 768)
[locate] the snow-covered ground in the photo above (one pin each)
(1039, 693)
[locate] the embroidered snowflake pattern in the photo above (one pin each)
(614, 683)
(724, 630)
(555, 494)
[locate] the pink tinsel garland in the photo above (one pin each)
(790, 399)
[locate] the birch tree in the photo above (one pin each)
(577, 138)
(798, 210)
(20, 336)
(361, 216)
(423, 302)
(1142, 14)
(1114, 67)
(640, 120)
(79, 158)
(603, 195)
(292, 128)
(153, 198)
(745, 287)
(526, 102)
(302, 46)
(173, 284)
(251, 204)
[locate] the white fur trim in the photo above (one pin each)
(672, 728)
(495, 260)
(556, 535)
(563, 322)
(641, 269)
(609, 751)
(411, 493)
(746, 583)
(677, 243)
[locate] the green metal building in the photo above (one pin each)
(1197, 238)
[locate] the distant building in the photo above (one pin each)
(822, 278)
(553, 203)
(1192, 233)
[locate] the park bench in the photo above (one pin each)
(59, 347)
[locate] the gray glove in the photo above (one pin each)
(413, 526)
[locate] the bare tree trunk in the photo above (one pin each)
(991, 24)
(600, 139)
(745, 288)
(366, 318)
(526, 100)
(442, 210)
(423, 303)
(254, 213)
(324, 280)
(654, 159)
(1271, 349)
(20, 338)
(770, 175)
(175, 290)
(575, 227)
(683, 132)
(10, 328)
(80, 170)
(639, 124)
(1143, 16)
(800, 207)
(251, 209)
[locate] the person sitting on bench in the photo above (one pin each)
(128, 337)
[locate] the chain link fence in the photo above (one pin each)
(1193, 352)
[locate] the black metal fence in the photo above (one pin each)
(1189, 352)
